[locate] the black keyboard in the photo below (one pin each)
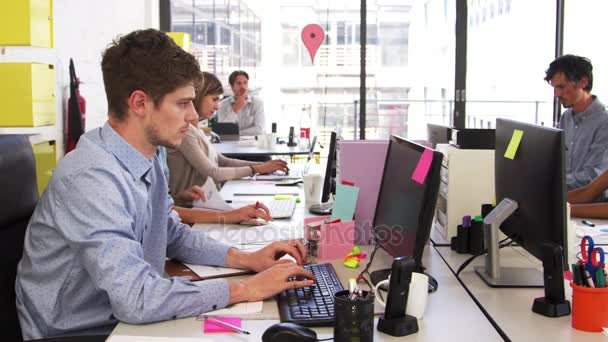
(311, 306)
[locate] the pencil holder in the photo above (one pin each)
(354, 319)
(589, 308)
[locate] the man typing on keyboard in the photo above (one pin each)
(90, 261)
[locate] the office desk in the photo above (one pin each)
(511, 308)
(232, 148)
(450, 310)
(450, 313)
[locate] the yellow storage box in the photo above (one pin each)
(45, 155)
(26, 22)
(27, 95)
(182, 39)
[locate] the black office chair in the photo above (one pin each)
(18, 197)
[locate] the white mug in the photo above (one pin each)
(417, 296)
(312, 189)
(266, 140)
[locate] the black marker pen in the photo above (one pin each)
(589, 223)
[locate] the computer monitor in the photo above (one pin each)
(405, 206)
(329, 182)
(228, 131)
(530, 189)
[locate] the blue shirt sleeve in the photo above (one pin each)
(110, 250)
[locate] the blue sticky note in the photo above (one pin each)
(344, 205)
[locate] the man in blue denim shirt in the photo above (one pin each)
(95, 248)
(585, 123)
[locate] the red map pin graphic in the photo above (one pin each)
(312, 37)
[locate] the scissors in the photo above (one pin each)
(593, 257)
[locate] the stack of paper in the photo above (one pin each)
(208, 272)
(598, 233)
(240, 309)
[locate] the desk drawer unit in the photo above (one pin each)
(467, 182)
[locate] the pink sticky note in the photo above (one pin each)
(210, 327)
(423, 167)
(312, 37)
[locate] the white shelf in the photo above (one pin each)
(27, 54)
(36, 134)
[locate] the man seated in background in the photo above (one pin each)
(95, 248)
(585, 122)
(243, 108)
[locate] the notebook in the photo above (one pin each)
(176, 268)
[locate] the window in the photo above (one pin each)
(505, 75)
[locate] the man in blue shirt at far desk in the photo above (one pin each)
(95, 248)
(585, 123)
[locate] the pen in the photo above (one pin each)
(257, 204)
(600, 281)
(589, 279)
(224, 324)
(589, 223)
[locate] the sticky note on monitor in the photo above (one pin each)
(345, 203)
(514, 144)
(210, 327)
(423, 166)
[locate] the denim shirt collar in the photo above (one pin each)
(233, 99)
(594, 107)
(135, 162)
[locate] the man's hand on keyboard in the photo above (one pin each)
(270, 282)
(272, 254)
(249, 214)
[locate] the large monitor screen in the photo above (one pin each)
(535, 178)
(406, 203)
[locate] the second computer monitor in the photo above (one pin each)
(406, 202)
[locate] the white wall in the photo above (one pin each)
(82, 30)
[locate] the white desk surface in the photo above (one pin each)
(233, 147)
(511, 308)
(450, 314)
(450, 310)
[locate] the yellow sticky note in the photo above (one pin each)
(352, 263)
(514, 144)
(283, 197)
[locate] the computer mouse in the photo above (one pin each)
(288, 332)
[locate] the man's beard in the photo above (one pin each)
(154, 137)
